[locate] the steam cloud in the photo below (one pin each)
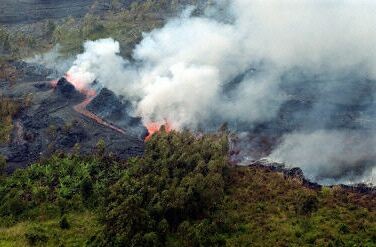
(243, 61)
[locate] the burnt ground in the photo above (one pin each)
(50, 123)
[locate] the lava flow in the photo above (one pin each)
(81, 108)
(90, 95)
(154, 127)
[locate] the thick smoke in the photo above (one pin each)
(303, 69)
(329, 156)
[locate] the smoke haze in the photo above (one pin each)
(305, 67)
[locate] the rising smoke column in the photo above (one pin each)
(187, 73)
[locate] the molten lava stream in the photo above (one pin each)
(154, 127)
(90, 95)
(81, 108)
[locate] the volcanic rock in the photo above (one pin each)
(107, 104)
(110, 107)
(32, 71)
(67, 90)
(71, 135)
(43, 86)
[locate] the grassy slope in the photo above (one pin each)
(263, 209)
(82, 226)
(267, 208)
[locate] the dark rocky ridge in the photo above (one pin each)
(67, 90)
(112, 108)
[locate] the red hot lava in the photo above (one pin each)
(81, 86)
(54, 83)
(154, 127)
(81, 108)
(90, 95)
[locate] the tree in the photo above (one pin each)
(179, 178)
(100, 147)
(86, 189)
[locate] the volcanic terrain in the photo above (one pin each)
(57, 119)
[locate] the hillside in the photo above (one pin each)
(182, 192)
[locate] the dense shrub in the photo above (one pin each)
(36, 235)
(63, 223)
(307, 204)
(179, 179)
(61, 183)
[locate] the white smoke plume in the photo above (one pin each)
(328, 156)
(53, 60)
(231, 64)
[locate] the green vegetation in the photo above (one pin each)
(275, 211)
(177, 184)
(19, 44)
(124, 25)
(181, 192)
(49, 233)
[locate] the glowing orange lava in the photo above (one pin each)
(80, 85)
(76, 82)
(154, 127)
(54, 83)
(90, 95)
(81, 108)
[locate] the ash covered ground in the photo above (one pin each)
(50, 123)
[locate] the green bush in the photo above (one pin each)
(179, 178)
(343, 228)
(36, 235)
(307, 204)
(63, 223)
(61, 182)
(86, 189)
